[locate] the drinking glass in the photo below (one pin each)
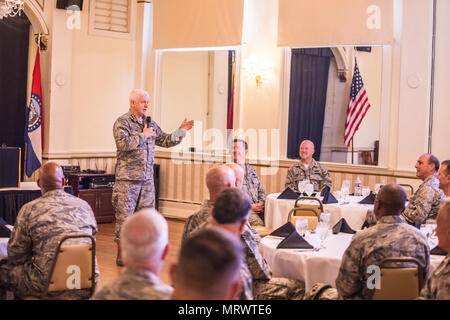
(325, 218)
(302, 185)
(365, 191)
(377, 187)
(322, 233)
(309, 189)
(301, 225)
(344, 193)
(346, 184)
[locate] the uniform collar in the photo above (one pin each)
(134, 118)
(391, 219)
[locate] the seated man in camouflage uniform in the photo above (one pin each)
(144, 246)
(308, 168)
(251, 184)
(438, 285)
(390, 237)
(208, 267)
(424, 203)
(444, 177)
(217, 179)
(265, 287)
(39, 227)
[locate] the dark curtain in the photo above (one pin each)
(307, 98)
(11, 201)
(14, 40)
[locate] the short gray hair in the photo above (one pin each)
(144, 237)
(135, 94)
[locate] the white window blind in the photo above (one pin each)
(110, 16)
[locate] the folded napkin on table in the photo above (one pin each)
(283, 231)
(288, 193)
(342, 226)
(4, 230)
(370, 199)
(328, 196)
(294, 241)
(438, 251)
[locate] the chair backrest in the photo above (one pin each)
(399, 283)
(73, 266)
(262, 231)
(318, 207)
(304, 213)
(408, 186)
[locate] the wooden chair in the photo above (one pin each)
(262, 231)
(317, 207)
(304, 213)
(408, 186)
(73, 267)
(399, 283)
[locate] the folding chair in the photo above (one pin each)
(399, 283)
(408, 186)
(304, 213)
(318, 207)
(73, 267)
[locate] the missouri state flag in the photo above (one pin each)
(34, 122)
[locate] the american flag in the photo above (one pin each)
(357, 107)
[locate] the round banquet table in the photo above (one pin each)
(277, 211)
(313, 266)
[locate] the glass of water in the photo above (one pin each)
(365, 191)
(322, 233)
(325, 218)
(301, 225)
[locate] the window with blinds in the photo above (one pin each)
(110, 17)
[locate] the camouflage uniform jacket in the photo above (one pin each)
(424, 203)
(198, 218)
(438, 285)
(316, 173)
(135, 152)
(39, 227)
(390, 237)
(134, 284)
(252, 186)
(257, 265)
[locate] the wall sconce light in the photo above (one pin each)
(257, 70)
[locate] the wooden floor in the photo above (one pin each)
(107, 250)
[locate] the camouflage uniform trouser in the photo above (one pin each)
(255, 220)
(278, 289)
(131, 196)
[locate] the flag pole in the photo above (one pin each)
(352, 151)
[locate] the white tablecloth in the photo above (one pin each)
(3, 246)
(31, 185)
(313, 266)
(277, 211)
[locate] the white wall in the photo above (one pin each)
(441, 109)
(100, 72)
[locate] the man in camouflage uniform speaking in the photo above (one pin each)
(39, 227)
(308, 168)
(135, 141)
(144, 244)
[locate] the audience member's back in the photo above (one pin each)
(390, 237)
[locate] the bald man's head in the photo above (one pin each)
(390, 200)
(306, 150)
(219, 178)
(51, 177)
(238, 173)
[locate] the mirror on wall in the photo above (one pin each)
(196, 85)
(320, 83)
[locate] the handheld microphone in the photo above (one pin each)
(149, 121)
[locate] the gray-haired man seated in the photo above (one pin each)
(144, 246)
